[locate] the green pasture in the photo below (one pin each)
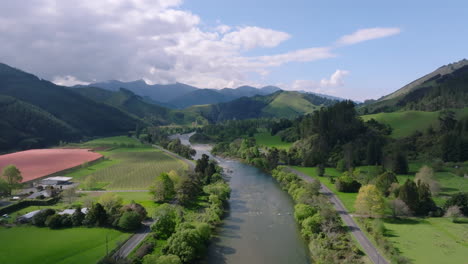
(267, 140)
(66, 246)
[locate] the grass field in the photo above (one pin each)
(114, 141)
(267, 140)
(404, 123)
(131, 169)
(430, 240)
(42, 245)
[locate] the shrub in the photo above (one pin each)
(130, 221)
(166, 220)
(40, 218)
(303, 211)
(347, 184)
(54, 221)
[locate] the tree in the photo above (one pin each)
(370, 201)
(77, 217)
(408, 193)
(4, 189)
(187, 244)
(111, 202)
(320, 169)
(399, 208)
(311, 225)
(453, 211)
(163, 188)
(40, 218)
(400, 163)
(303, 211)
(165, 221)
(385, 181)
(96, 216)
(90, 182)
(347, 183)
(426, 175)
(69, 194)
(460, 200)
(130, 221)
(137, 208)
(187, 189)
(426, 204)
(12, 176)
(54, 221)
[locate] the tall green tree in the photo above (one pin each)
(12, 176)
(408, 193)
(163, 188)
(384, 182)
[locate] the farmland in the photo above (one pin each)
(114, 141)
(43, 245)
(38, 163)
(130, 169)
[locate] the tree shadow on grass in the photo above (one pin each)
(404, 221)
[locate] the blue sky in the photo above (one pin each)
(432, 34)
(349, 48)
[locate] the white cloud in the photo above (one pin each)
(367, 34)
(326, 85)
(67, 81)
(80, 41)
(253, 37)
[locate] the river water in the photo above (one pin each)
(260, 225)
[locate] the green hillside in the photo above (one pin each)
(289, 105)
(127, 101)
(88, 117)
(447, 87)
(405, 123)
(282, 104)
(26, 126)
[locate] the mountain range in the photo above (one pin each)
(179, 95)
(36, 113)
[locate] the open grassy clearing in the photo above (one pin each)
(404, 123)
(42, 245)
(267, 140)
(430, 240)
(111, 141)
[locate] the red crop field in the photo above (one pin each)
(37, 163)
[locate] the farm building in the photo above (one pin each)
(72, 211)
(27, 217)
(56, 180)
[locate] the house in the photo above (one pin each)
(58, 180)
(72, 211)
(28, 217)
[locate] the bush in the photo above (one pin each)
(166, 220)
(54, 221)
(144, 250)
(303, 211)
(130, 221)
(40, 218)
(347, 184)
(187, 244)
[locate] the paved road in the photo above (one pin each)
(112, 191)
(368, 247)
(134, 240)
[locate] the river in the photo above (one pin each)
(260, 225)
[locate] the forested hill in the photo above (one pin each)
(129, 102)
(68, 113)
(447, 87)
(281, 104)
